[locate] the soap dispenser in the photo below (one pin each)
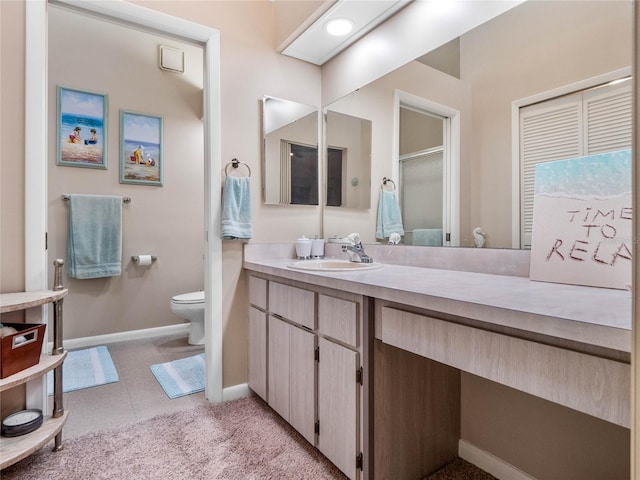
(303, 248)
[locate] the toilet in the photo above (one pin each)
(190, 306)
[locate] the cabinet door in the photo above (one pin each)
(258, 352)
(302, 413)
(279, 366)
(338, 406)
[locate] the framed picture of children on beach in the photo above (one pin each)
(82, 128)
(140, 148)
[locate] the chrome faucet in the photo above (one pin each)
(356, 253)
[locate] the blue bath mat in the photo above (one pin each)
(181, 377)
(84, 369)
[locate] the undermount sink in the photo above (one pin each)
(332, 265)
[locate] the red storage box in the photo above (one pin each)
(17, 354)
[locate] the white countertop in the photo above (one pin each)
(589, 315)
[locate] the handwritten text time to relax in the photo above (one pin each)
(598, 240)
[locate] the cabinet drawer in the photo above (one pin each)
(339, 319)
(258, 292)
(294, 304)
(589, 384)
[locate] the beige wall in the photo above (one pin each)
(12, 146)
(419, 132)
(165, 221)
(543, 439)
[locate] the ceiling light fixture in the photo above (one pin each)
(339, 27)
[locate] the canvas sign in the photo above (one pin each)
(582, 218)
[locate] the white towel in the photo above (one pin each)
(236, 208)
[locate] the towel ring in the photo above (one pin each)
(384, 183)
(235, 163)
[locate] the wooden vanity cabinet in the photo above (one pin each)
(305, 352)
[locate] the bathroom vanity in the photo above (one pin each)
(411, 331)
(305, 360)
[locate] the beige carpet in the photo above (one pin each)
(242, 439)
(460, 469)
(239, 440)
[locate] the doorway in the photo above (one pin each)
(427, 139)
(422, 177)
(36, 199)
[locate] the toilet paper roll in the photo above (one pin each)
(144, 260)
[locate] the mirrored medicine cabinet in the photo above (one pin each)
(290, 152)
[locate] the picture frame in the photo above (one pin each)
(81, 128)
(141, 160)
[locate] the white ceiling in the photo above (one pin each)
(316, 46)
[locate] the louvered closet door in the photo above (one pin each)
(584, 123)
(607, 118)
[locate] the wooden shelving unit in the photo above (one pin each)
(14, 449)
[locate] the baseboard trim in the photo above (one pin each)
(86, 342)
(490, 463)
(237, 391)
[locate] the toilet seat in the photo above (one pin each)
(188, 298)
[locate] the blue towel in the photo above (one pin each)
(427, 236)
(95, 236)
(236, 208)
(389, 218)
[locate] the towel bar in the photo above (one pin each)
(66, 197)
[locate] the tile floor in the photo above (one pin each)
(137, 395)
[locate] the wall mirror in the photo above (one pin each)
(523, 56)
(290, 152)
(348, 161)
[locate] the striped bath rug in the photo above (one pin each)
(84, 369)
(181, 377)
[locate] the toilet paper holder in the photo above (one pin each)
(136, 258)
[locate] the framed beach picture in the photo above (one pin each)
(140, 148)
(82, 128)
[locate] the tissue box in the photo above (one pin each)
(17, 355)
